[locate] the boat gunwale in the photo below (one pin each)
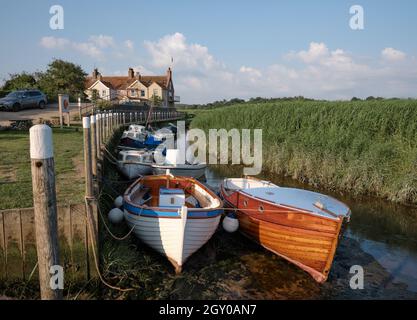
(293, 209)
(177, 166)
(195, 181)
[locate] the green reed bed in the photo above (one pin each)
(362, 147)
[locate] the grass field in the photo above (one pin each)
(363, 147)
(15, 174)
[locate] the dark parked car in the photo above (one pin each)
(23, 99)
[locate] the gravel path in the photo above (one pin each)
(49, 112)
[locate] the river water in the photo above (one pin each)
(381, 238)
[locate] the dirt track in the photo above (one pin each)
(49, 112)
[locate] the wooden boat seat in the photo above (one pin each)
(139, 196)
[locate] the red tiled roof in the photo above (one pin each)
(121, 83)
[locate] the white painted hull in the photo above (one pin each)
(165, 234)
(134, 170)
(195, 171)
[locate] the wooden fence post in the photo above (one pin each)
(108, 126)
(87, 157)
(89, 191)
(79, 108)
(93, 145)
(98, 134)
(99, 123)
(113, 118)
(61, 121)
(44, 203)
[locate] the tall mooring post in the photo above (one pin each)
(108, 129)
(89, 188)
(44, 203)
(93, 145)
(98, 134)
(106, 126)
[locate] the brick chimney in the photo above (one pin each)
(138, 76)
(96, 74)
(131, 73)
(169, 74)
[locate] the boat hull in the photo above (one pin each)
(176, 232)
(307, 241)
(134, 170)
(164, 236)
(185, 171)
(132, 143)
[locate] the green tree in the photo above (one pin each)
(20, 81)
(62, 77)
(156, 101)
(94, 95)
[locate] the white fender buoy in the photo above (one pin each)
(118, 202)
(230, 224)
(116, 216)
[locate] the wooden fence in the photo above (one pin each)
(18, 243)
(18, 255)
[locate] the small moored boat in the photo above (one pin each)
(134, 137)
(137, 137)
(299, 225)
(195, 170)
(135, 163)
(175, 216)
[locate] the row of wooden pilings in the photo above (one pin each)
(98, 129)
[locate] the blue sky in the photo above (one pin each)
(225, 49)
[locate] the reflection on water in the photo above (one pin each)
(400, 263)
(385, 231)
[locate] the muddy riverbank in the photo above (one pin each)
(380, 237)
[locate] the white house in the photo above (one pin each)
(133, 87)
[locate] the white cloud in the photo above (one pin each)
(102, 41)
(54, 43)
(86, 48)
(97, 46)
(392, 54)
(317, 71)
(314, 53)
(129, 44)
(189, 56)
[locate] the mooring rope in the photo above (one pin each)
(111, 233)
(90, 228)
(109, 156)
(105, 224)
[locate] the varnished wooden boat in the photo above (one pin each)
(175, 216)
(299, 225)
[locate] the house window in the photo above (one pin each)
(133, 93)
(103, 93)
(155, 92)
(142, 93)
